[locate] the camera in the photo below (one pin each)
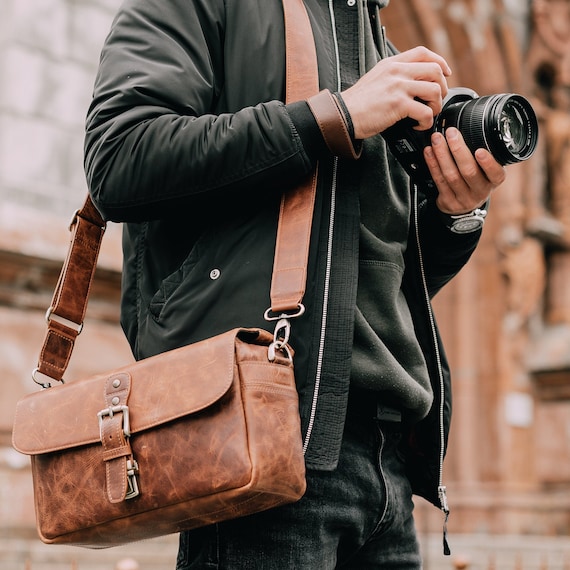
(504, 124)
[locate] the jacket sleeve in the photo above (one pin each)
(157, 133)
(443, 252)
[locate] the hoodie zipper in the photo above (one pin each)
(326, 290)
(441, 488)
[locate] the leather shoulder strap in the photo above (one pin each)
(296, 215)
(69, 303)
(67, 311)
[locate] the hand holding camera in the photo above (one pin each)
(410, 84)
(406, 98)
(504, 124)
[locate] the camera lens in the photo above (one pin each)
(511, 127)
(504, 124)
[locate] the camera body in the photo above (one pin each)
(504, 124)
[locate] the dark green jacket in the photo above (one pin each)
(189, 143)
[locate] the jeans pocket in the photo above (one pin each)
(198, 548)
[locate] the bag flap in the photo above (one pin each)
(164, 387)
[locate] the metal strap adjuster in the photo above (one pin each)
(51, 316)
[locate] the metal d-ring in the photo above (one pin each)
(269, 315)
(38, 376)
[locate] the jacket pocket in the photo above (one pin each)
(223, 283)
(172, 282)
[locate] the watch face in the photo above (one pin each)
(467, 225)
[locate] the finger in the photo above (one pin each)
(448, 162)
(460, 152)
(421, 53)
(446, 199)
(435, 170)
(456, 195)
(423, 114)
(479, 181)
(462, 183)
(427, 102)
(495, 172)
(428, 73)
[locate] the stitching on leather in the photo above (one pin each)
(334, 129)
(44, 348)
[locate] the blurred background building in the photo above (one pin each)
(505, 319)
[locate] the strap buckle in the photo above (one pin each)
(131, 465)
(132, 485)
(74, 218)
(111, 411)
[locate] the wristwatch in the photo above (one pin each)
(467, 223)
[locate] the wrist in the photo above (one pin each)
(468, 222)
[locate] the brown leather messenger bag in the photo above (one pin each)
(190, 437)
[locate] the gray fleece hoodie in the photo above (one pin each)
(386, 355)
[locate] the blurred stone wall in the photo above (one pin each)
(49, 51)
(505, 319)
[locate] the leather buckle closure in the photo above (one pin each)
(111, 411)
(123, 453)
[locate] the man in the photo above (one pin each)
(188, 143)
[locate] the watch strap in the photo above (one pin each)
(468, 222)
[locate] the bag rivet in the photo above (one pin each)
(115, 401)
(116, 383)
(214, 274)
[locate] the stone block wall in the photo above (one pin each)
(48, 56)
(49, 51)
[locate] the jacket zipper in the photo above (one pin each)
(441, 489)
(326, 290)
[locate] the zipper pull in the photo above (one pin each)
(383, 49)
(442, 494)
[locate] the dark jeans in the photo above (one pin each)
(357, 517)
